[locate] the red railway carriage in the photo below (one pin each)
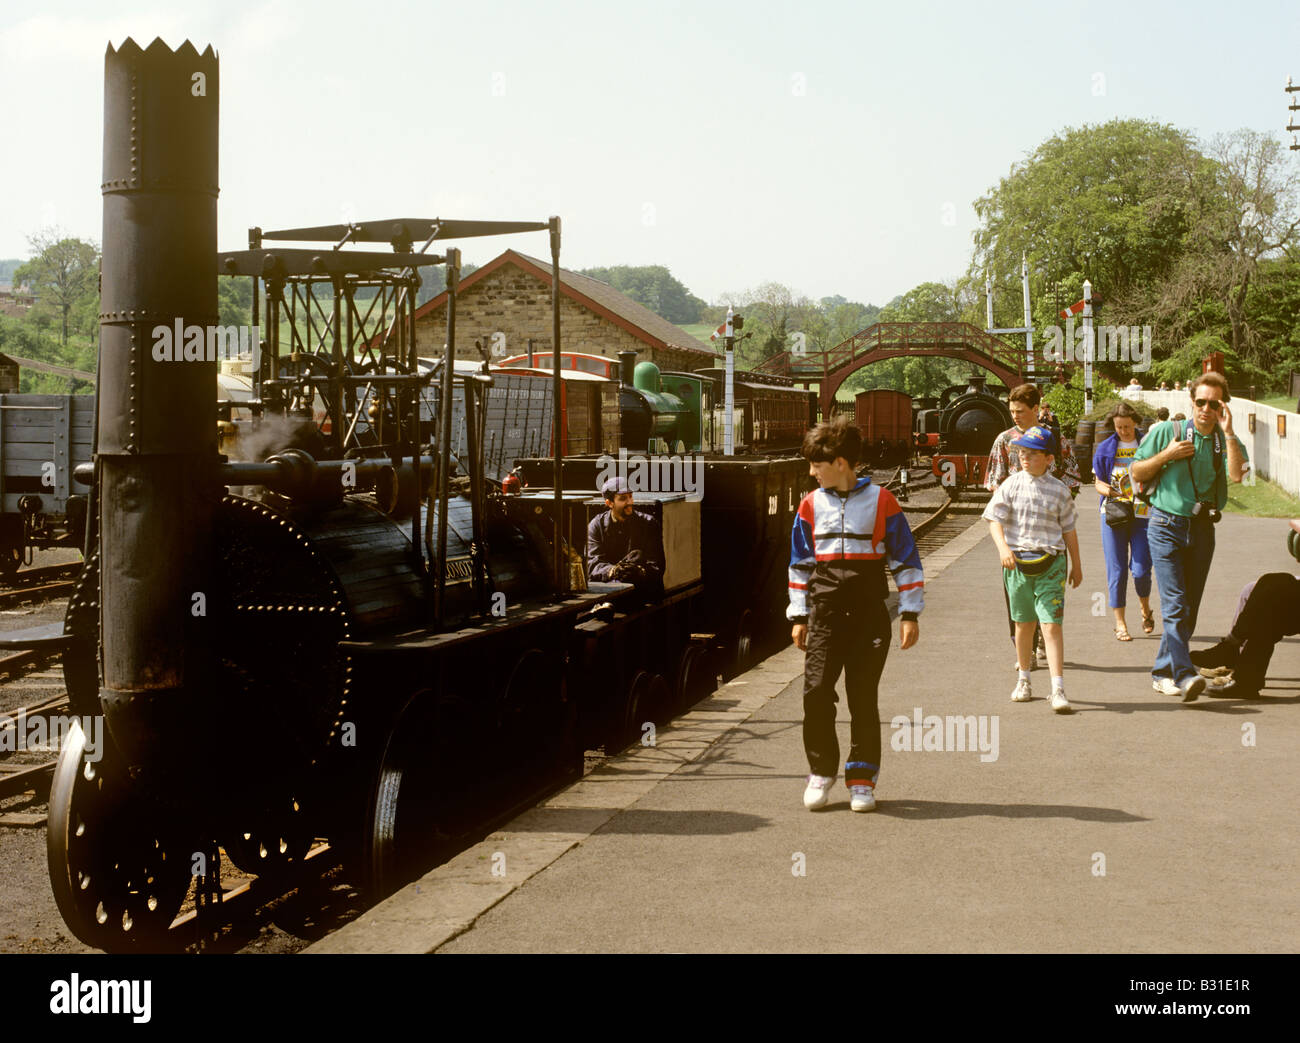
(884, 413)
(884, 416)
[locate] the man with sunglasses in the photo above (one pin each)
(1182, 467)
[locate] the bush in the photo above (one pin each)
(1066, 400)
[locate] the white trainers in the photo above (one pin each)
(1059, 702)
(863, 798)
(1023, 692)
(1191, 688)
(818, 792)
(1166, 686)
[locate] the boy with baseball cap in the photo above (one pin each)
(1031, 517)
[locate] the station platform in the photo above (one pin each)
(1136, 824)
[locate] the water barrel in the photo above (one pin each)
(1104, 429)
(1085, 433)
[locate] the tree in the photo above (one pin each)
(928, 302)
(654, 287)
(1246, 213)
(234, 300)
(63, 274)
(1273, 313)
(1111, 203)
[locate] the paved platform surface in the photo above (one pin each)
(1137, 824)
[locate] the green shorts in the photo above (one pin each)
(1037, 598)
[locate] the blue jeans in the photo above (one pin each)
(1118, 544)
(1181, 552)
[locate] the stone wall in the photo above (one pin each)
(517, 304)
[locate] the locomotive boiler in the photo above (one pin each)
(327, 641)
(968, 419)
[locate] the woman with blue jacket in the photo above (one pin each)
(1125, 546)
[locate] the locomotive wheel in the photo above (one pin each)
(275, 841)
(696, 680)
(11, 548)
(534, 718)
(658, 706)
(649, 699)
(419, 800)
(118, 876)
(742, 657)
(628, 724)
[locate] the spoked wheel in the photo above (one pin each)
(273, 842)
(118, 872)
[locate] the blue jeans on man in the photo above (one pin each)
(1181, 552)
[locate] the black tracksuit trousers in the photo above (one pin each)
(856, 641)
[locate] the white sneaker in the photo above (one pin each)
(863, 798)
(1166, 686)
(1059, 702)
(1023, 692)
(1191, 688)
(818, 792)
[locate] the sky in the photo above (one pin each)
(834, 147)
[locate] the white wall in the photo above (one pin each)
(1272, 457)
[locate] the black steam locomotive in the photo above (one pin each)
(334, 652)
(959, 430)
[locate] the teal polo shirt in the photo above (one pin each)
(1174, 492)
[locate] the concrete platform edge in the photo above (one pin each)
(446, 902)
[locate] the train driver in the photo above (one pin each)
(624, 545)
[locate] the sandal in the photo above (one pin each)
(1148, 622)
(1122, 634)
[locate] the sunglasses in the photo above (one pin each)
(1212, 404)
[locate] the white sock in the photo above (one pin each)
(1058, 683)
(1024, 675)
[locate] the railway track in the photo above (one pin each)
(41, 583)
(313, 899)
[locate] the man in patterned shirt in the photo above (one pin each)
(1031, 517)
(1004, 461)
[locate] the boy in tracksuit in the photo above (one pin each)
(845, 534)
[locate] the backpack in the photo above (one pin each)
(1144, 490)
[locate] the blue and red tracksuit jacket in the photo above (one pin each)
(841, 544)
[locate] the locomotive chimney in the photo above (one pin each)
(626, 367)
(157, 393)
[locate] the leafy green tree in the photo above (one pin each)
(63, 274)
(1111, 203)
(654, 287)
(234, 300)
(1272, 311)
(1248, 213)
(928, 302)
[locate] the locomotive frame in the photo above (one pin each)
(335, 657)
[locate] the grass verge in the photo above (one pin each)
(1262, 500)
